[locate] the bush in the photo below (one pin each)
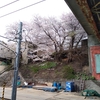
(35, 69)
(48, 65)
(68, 72)
(84, 76)
(92, 78)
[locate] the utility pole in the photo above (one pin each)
(16, 65)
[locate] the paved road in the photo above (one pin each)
(32, 94)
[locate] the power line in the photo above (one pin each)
(22, 8)
(13, 41)
(7, 47)
(9, 39)
(4, 37)
(8, 4)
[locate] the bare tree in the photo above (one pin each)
(12, 30)
(59, 34)
(51, 29)
(74, 28)
(51, 32)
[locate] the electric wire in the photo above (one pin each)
(6, 69)
(22, 8)
(9, 39)
(4, 37)
(7, 47)
(8, 4)
(14, 41)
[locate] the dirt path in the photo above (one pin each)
(33, 94)
(71, 96)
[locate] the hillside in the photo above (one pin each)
(75, 68)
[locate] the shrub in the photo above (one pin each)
(35, 69)
(68, 72)
(84, 76)
(48, 65)
(92, 78)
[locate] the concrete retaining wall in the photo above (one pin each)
(91, 85)
(87, 84)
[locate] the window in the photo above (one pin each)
(97, 62)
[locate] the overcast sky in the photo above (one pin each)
(46, 8)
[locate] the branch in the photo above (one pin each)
(79, 41)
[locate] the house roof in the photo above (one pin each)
(88, 14)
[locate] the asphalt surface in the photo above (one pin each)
(33, 94)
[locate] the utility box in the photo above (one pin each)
(95, 61)
(69, 86)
